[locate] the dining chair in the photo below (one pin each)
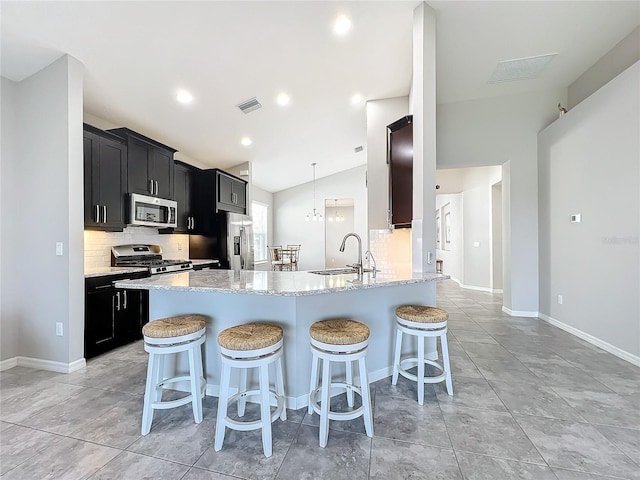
(294, 255)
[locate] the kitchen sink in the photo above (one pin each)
(334, 271)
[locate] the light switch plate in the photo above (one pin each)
(59, 248)
(576, 218)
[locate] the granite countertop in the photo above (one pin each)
(105, 271)
(274, 283)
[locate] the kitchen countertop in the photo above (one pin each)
(274, 283)
(105, 271)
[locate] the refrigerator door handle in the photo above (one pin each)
(242, 249)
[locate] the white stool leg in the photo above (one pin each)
(349, 370)
(265, 410)
(325, 399)
(396, 357)
(445, 363)
(159, 359)
(420, 379)
(314, 380)
(366, 397)
(202, 382)
(149, 394)
(223, 398)
(196, 390)
(242, 401)
(280, 387)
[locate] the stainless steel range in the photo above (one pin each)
(149, 256)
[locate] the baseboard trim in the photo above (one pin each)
(496, 290)
(519, 313)
(50, 365)
(618, 352)
(479, 289)
(8, 363)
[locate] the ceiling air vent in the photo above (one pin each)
(358, 149)
(249, 105)
(520, 68)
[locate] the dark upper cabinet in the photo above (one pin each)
(105, 180)
(214, 191)
(400, 159)
(232, 193)
(182, 193)
(150, 165)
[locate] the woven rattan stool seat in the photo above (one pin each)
(422, 314)
(174, 326)
(339, 331)
(250, 336)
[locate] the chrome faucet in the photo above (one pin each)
(368, 256)
(357, 266)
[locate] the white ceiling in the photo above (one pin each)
(138, 54)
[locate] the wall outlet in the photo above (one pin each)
(59, 331)
(59, 248)
(476, 244)
(179, 246)
(559, 299)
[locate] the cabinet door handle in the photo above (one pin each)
(104, 214)
(97, 213)
(118, 301)
(124, 303)
(156, 187)
(193, 223)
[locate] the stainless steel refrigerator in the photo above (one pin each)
(240, 241)
(229, 239)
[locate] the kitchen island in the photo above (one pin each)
(294, 300)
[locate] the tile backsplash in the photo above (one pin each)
(97, 245)
(391, 249)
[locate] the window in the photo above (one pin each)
(260, 230)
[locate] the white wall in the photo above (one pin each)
(291, 206)
(617, 60)
(334, 233)
(9, 334)
(45, 206)
(380, 113)
(589, 164)
(491, 132)
(496, 236)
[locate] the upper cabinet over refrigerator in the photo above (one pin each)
(400, 160)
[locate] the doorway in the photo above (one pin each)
(339, 221)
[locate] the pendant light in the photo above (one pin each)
(315, 216)
(337, 217)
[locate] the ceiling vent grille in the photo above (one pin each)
(520, 68)
(358, 149)
(249, 105)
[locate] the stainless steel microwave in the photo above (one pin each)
(152, 211)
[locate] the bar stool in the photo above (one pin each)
(339, 340)
(184, 333)
(422, 322)
(252, 345)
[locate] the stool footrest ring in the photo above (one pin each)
(255, 424)
(338, 415)
(412, 362)
(180, 401)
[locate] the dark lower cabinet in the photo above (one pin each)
(113, 316)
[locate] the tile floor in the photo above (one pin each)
(531, 402)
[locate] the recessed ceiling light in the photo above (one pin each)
(283, 99)
(342, 25)
(357, 98)
(184, 97)
(246, 141)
